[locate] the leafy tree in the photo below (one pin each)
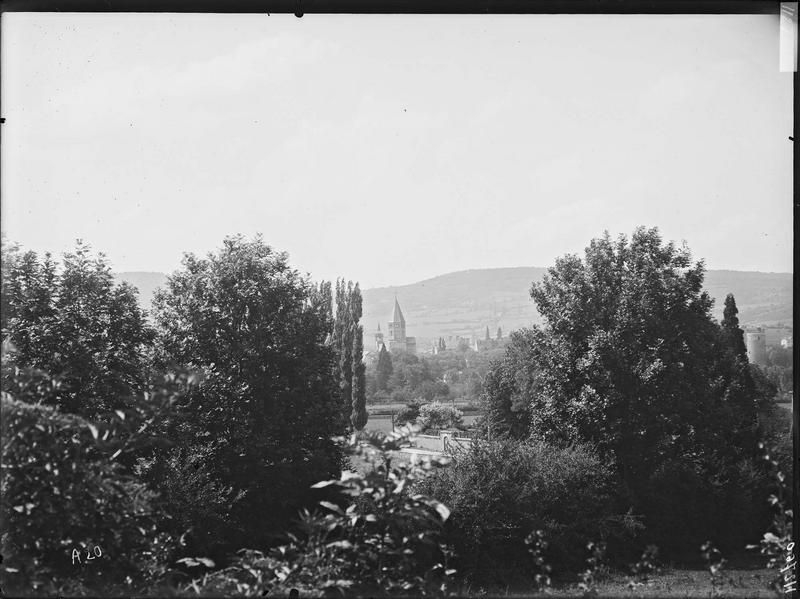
(431, 390)
(510, 385)
(75, 324)
(780, 356)
(400, 396)
(781, 377)
(630, 358)
(260, 423)
(408, 371)
(384, 368)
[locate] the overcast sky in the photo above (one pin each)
(389, 149)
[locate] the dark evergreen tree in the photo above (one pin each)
(487, 333)
(730, 327)
(499, 333)
(383, 369)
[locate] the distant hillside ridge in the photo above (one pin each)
(464, 303)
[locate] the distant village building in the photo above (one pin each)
(397, 340)
(488, 342)
(459, 343)
(756, 343)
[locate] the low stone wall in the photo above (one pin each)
(445, 443)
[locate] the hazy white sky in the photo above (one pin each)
(390, 149)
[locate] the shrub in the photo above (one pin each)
(436, 415)
(408, 414)
(686, 503)
(376, 537)
(500, 491)
(777, 543)
(63, 491)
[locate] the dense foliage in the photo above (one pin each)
(376, 536)
(630, 359)
(260, 423)
(436, 415)
(63, 493)
(348, 338)
(171, 445)
(455, 374)
(73, 323)
(501, 491)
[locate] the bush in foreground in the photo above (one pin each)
(500, 491)
(376, 537)
(63, 495)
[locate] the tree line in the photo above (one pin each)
(203, 445)
(224, 402)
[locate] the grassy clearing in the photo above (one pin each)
(674, 583)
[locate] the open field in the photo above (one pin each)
(673, 583)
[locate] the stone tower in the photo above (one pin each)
(756, 342)
(397, 329)
(398, 341)
(378, 338)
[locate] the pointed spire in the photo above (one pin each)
(397, 314)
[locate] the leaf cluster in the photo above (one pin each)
(374, 535)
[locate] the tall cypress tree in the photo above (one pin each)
(345, 347)
(348, 342)
(358, 416)
(734, 336)
(358, 399)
